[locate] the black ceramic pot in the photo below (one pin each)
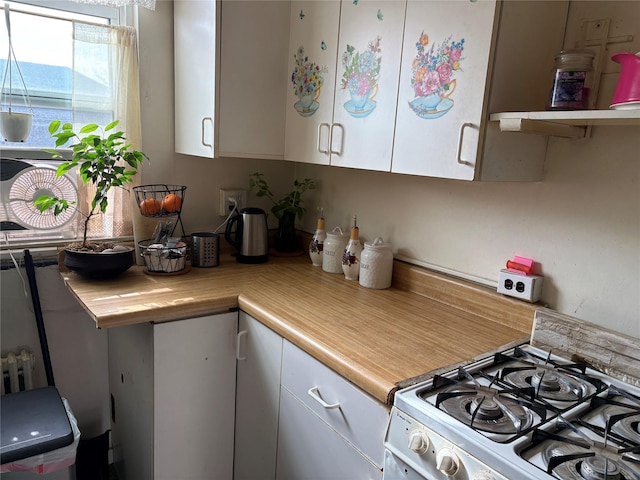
(286, 238)
(99, 265)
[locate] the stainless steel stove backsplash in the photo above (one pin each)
(613, 353)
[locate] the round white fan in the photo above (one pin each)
(31, 184)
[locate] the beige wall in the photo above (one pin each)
(582, 222)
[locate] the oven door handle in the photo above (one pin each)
(313, 393)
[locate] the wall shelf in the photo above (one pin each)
(573, 124)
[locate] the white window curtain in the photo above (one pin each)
(106, 85)
(150, 4)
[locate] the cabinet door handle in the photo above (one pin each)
(326, 150)
(204, 119)
(241, 334)
(313, 393)
(339, 125)
(460, 139)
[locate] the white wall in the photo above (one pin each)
(581, 223)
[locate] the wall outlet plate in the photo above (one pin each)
(226, 205)
(524, 287)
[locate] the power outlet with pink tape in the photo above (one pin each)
(517, 280)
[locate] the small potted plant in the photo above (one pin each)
(105, 160)
(286, 209)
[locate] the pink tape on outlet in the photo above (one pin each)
(520, 265)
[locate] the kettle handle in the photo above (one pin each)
(227, 233)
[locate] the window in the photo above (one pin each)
(79, 66)
(42, 39)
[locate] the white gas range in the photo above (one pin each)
(524, 414)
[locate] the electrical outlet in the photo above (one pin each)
(524, 287)
(226, 205)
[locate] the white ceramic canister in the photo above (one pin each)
(376, 264)
(316, 247)
(334, 246)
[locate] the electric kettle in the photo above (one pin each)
(627, 95)
(250, 236)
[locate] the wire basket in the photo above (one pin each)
(162, 258)
(160, 200)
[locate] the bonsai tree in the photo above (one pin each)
(98, 156)
(291, 202)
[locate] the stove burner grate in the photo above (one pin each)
(621, 420)
(487, 408)
(549, 383)
(570, 458)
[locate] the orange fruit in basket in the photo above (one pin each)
(150, 206)
(171, 203)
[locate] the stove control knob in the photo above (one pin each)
(418, 441)
(447, 462)
(483, 475)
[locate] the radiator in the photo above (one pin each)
(17, 371)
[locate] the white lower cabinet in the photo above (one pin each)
(194, 398)
(173, 398)
(257, 400)
(309, 449)
(328, 428)
(297, 419)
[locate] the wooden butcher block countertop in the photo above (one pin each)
(380, 340)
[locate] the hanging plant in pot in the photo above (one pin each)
(14, 126)
(106, 161)
(285, 210)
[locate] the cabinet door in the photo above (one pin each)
(257, 400)
(253, 66)
(369, 52)
(131, 388)
(313, 49)
(309, 449)
(194, 397)
(194, 35)
(443, 79)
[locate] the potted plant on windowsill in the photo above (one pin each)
(106, 161)
(285, 209)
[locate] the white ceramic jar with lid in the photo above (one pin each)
(376, 264)
(334, 246)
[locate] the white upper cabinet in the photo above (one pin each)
(311, 81)
(253, 63)
(230, 62)
(370, 46)
(344, 64)
(461, 61)
(445, 61)
(194, 45)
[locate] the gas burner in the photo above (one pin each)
(549, 383)
(567, 461)
(625, 422)
(485, 409)
(616, 416)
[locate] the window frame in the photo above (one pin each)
(116, 16)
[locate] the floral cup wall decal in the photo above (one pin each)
(307, 81)
(432, 79)
(360, 78)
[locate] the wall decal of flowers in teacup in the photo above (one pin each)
(432, 80)
(307, 81)
(360, 78)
